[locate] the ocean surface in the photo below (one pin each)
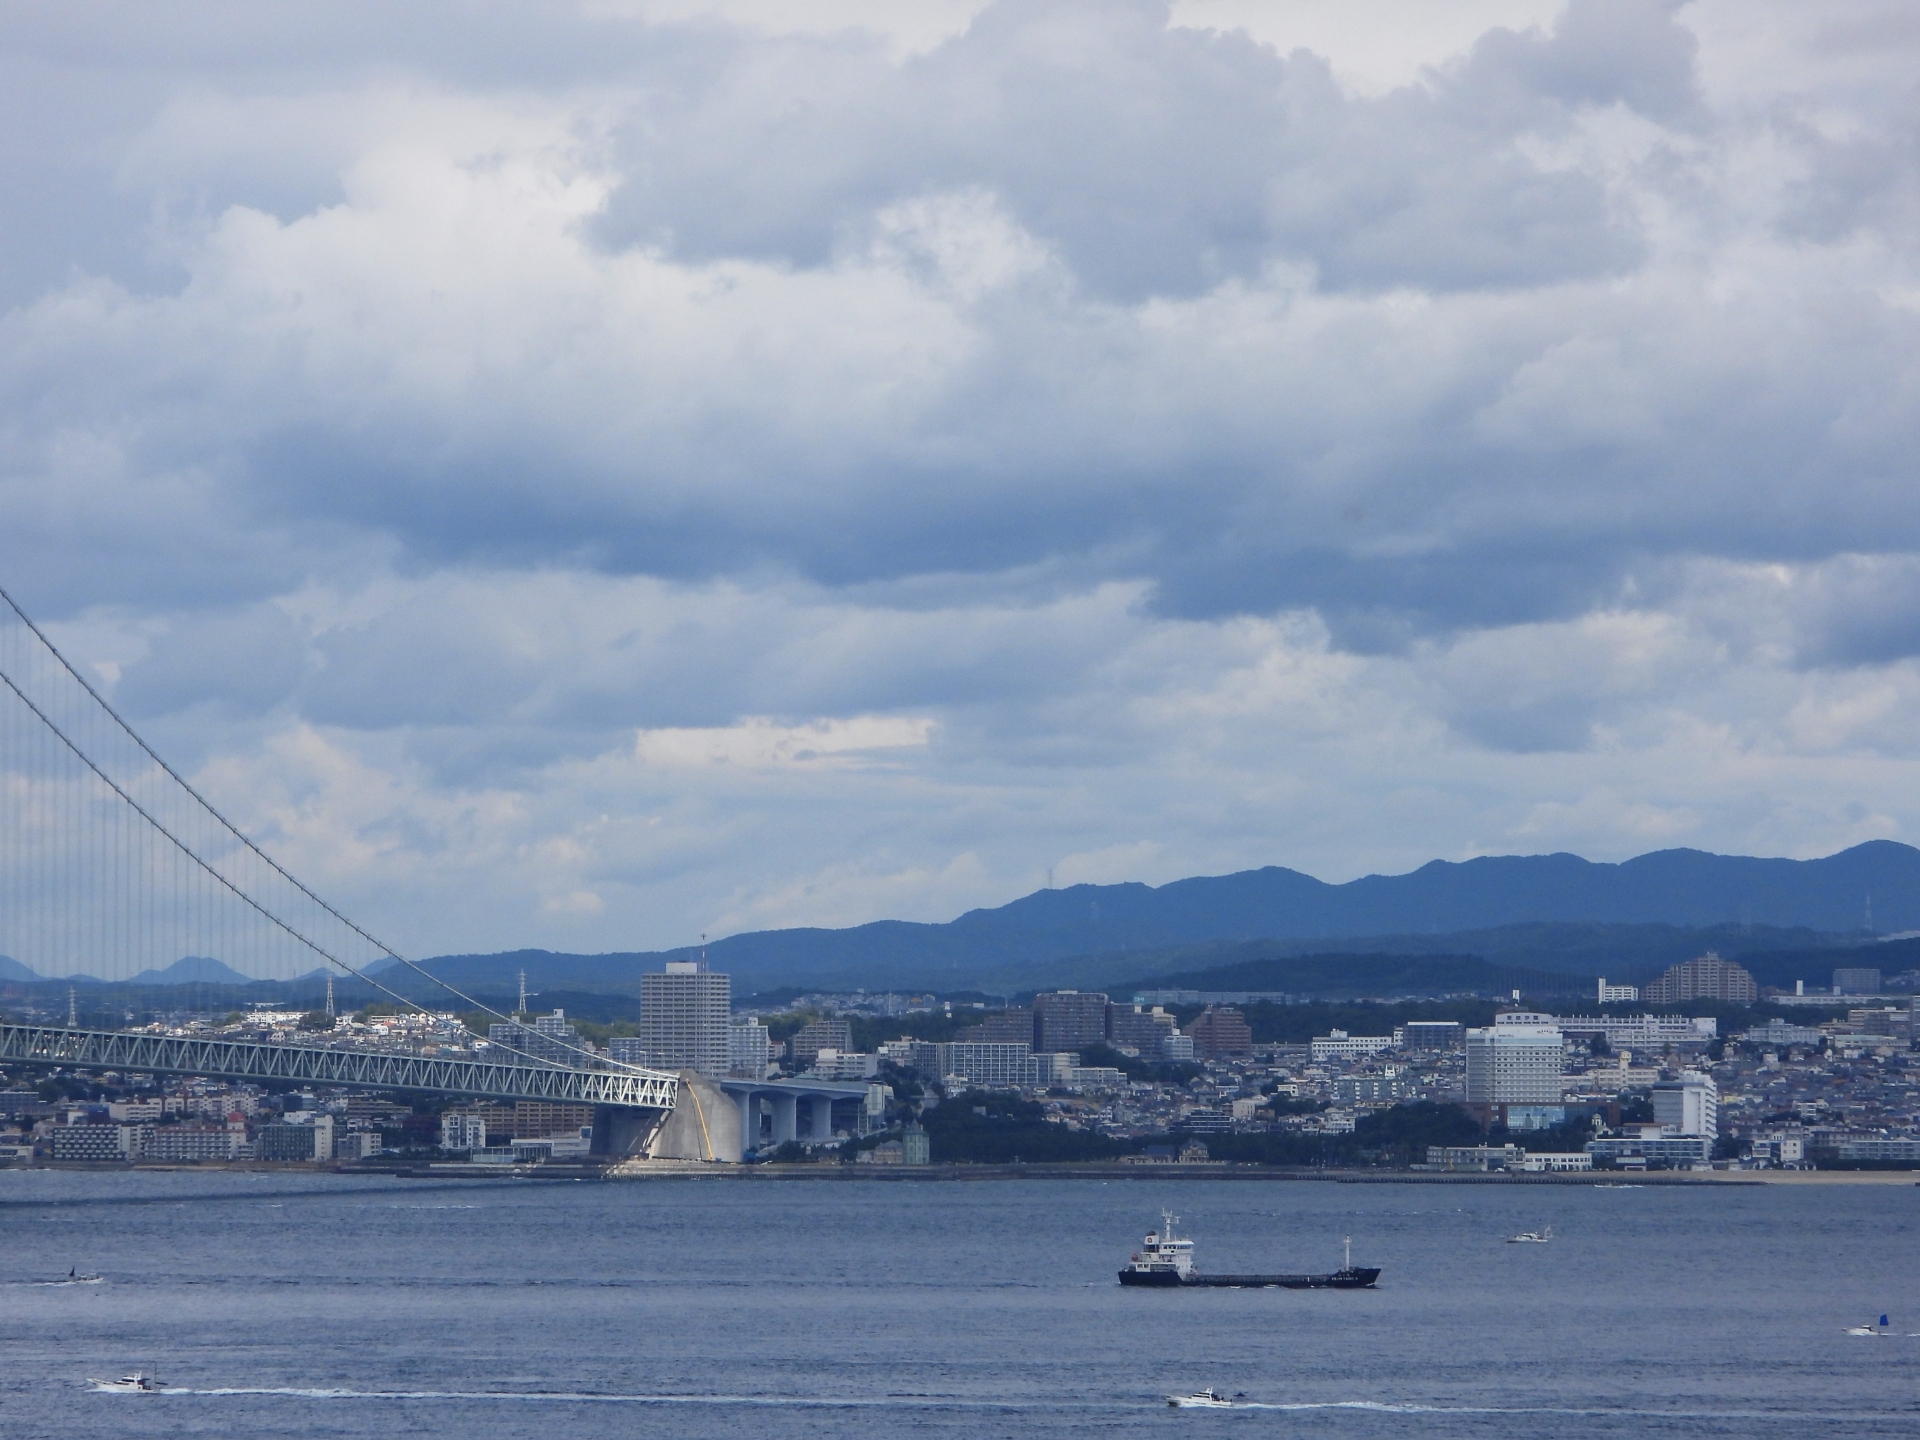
(278, 1305)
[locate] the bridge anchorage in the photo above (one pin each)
(123, 887)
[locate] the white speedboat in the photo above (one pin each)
(1880, 1329)
(1205, 1400)
(134, 1382)
(74, 1277)
(1531, 1237)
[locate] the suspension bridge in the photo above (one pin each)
(118, 876)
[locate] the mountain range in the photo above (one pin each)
(1553, 912)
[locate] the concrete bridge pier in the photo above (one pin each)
(624, 1133)
(821, 1108)
(750, 1121)
(786, 1111)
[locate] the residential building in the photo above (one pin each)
(533, 1118)
(1176, 1046)
(1517, 1060)
(1778, 1034)
(831, 1064)
(1339, 1045)
(1649, 1146)
(1069, 1019)
(1856, 980)
(685, 1017)
(1373, 1089)
(356, 1144)
(1898, 1149)
(1642, 1032)
(1135, 1027)
(185, 1144)
(1617, 994)
(1002, 1027)
(1536, 1161)
(1219, 1031)
(749, 1050)
(1689, 1105)
(806, 1043)
(460, 1130)
(992, 1066)
(550, 1039)
(1096, 1077)
(295, 1139)
(1442, 1035)
(96, 1141)
(1706, 978)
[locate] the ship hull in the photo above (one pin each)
(1358, 1278)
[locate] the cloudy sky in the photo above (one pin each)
(581, 476)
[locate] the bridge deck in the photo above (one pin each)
(50, 1045)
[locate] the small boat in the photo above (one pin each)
(134, 1382)
(1880, 1329)
(1206, 1400)
(74, 1277)
(1531, 1237)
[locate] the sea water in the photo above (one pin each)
(301, 1305)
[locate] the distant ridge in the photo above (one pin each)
(1051, 936)
(192, 970)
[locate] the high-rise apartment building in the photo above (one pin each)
(1707, 978)
(1220, 1030)
(1138, 1028)
(1517, 1060)
(685, 1018)
(748, 1048)
(1069, 1019)
(806, 1043)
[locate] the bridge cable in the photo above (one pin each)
(241, 836)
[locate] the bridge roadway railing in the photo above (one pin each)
(627, 1088)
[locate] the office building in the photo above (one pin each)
(1515, 1061)
(1707, 978)
(1069, 1020)
(749, 1050)
(806, 1043)
(1689, 1105)
(1856, 981)
(685, 1014)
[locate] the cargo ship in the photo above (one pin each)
(1166, 1260)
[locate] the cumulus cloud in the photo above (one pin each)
(635, 466)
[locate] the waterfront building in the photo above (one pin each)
(1689, 1105)
(806, 1043)
(461, 1130)
(185, 1144)
(1220, 1030)
(1617, 994)
(1856, 980)
(543, 1117)
(1538, 1161)
(749, 1050)
(1650, 1146)
(1517, 1060)
(887, 1152)
(92, 1140)
(915, 1145)
(1339, 1045)
(356, 1144)
(1441, 1035)
(1706, 978)
(1069, 1019)
(1474, 1157)
(295, 1140)
(1881, 1149)
(685, 1017)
